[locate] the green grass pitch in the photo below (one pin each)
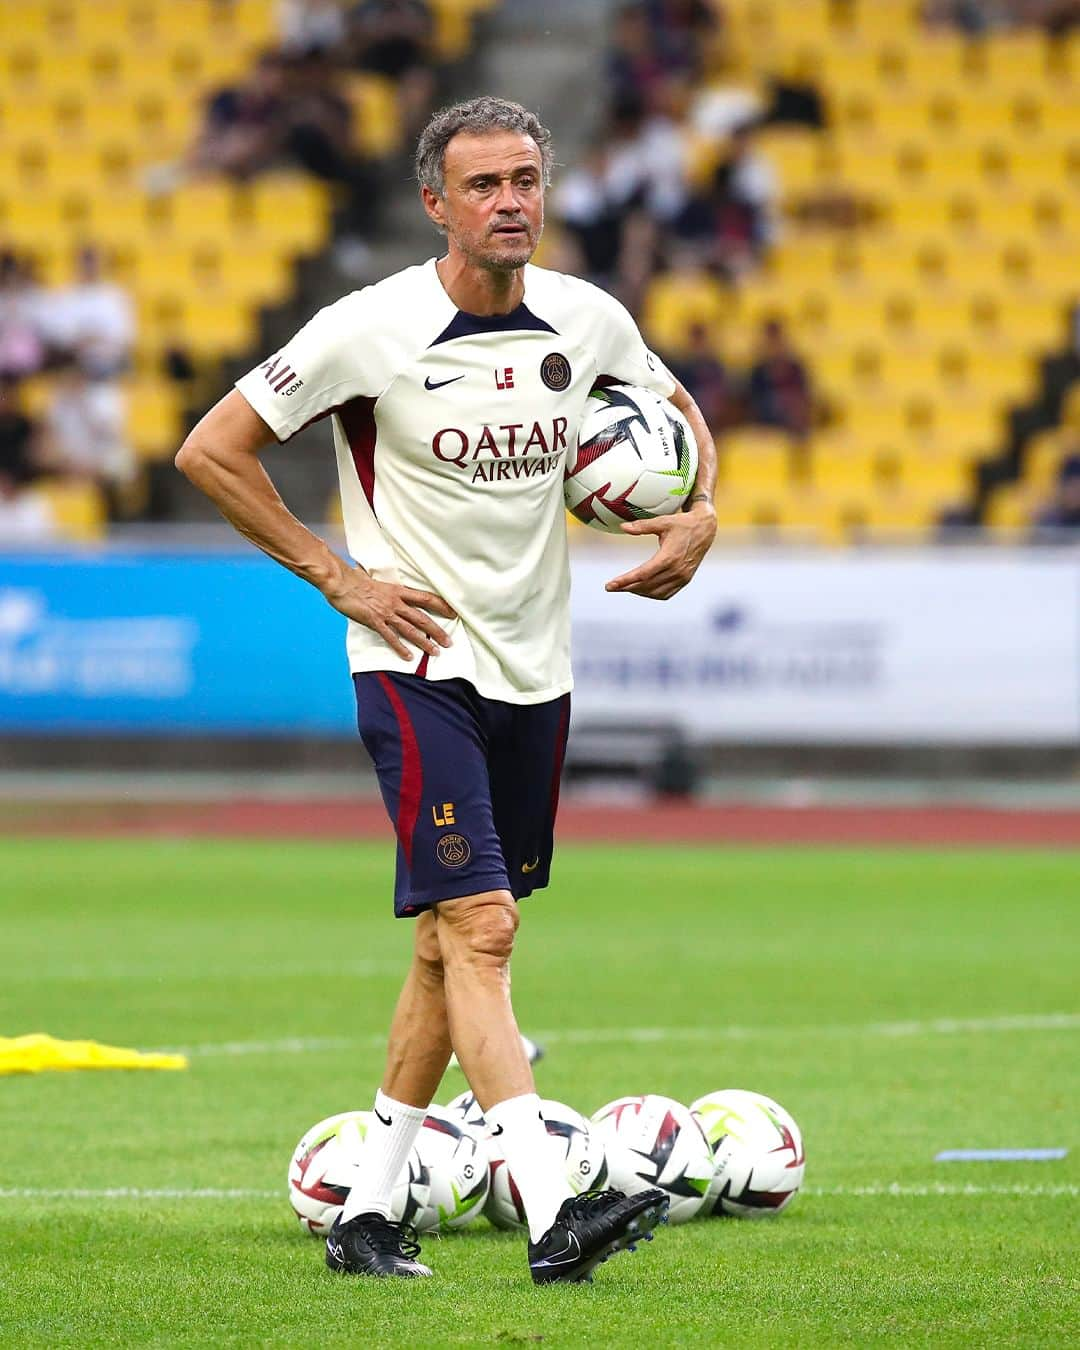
(898, 1003)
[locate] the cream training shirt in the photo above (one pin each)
(450, 431)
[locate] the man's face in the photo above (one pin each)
(493, 204)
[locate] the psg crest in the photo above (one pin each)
(453, 851)
(555, 371)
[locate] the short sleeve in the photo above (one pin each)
(622, 354)
(321, 367)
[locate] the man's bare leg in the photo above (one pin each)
(416, 1059)
(476, 938)
(419, 1047)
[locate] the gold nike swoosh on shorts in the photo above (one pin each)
(531, 867)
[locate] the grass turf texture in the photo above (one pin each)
(200, 943)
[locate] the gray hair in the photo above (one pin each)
(475, 117)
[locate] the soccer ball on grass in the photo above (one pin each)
(655, 1141)
(758, 1154)
(443, 1184)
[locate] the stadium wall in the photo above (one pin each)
(932, 648)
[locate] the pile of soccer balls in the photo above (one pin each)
(730, 1153)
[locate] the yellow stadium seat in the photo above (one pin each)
(933, 474)
(677, 300)
(1010, 60)
(375, 109)
(1044, 455)
(291, 209)
(756, 459)
(77, 508)
(903, 516)
(820, 517)
(154, 420)
(738, 512)
(839, 465)
(795, 154)
(1012, 506)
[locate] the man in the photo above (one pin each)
(455, 388)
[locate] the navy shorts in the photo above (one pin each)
(471, 784)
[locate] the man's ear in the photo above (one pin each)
(433, 205)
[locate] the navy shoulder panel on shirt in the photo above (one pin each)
(518, 320)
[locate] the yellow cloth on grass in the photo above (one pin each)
(38, 1052)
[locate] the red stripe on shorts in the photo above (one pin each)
(412, 772)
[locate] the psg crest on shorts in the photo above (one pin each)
(453, 851)
(555, 371)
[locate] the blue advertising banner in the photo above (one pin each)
(99, 642)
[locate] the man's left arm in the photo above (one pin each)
(686, 536)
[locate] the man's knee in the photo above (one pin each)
(426, 947)
(478, 927)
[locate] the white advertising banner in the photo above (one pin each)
(934, 647)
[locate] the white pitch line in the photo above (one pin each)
(135, 1193)
(252, 971)
(943, 1026)
(896, 1190)
(935, 1188)
(290, 1045)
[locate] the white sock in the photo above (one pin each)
(531, 1158)
(391, 1134)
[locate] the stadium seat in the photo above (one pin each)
(77, 508)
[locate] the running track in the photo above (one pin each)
(663, 822)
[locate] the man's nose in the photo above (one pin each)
(507, 199)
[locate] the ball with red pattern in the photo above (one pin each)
(635, 458)
(758, 1155)
(655, 1141)
(323, 1168)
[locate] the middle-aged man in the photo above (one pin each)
(454, 389)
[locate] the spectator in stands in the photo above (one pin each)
(591, 214)
(632, 179)
(1062, 513)
(396, 38)
(732, 222)
(684, 32)
(707, 378)
(244, 124)
(778, 390)
(636, 64)
(85, 432)
(977, 17)
(747, 179)
(318, 136)
(24, 516)
(973, 17)
(18, 436)
(23, 339)
(311, 25)
(93, 318)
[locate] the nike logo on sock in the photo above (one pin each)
(429, 383)
(385, 1120)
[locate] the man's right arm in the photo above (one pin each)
(221, 458)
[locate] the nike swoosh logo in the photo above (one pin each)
(429, 383)
(386, 1120)
(571, 1252)
(531, 867)
(496, 1130)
